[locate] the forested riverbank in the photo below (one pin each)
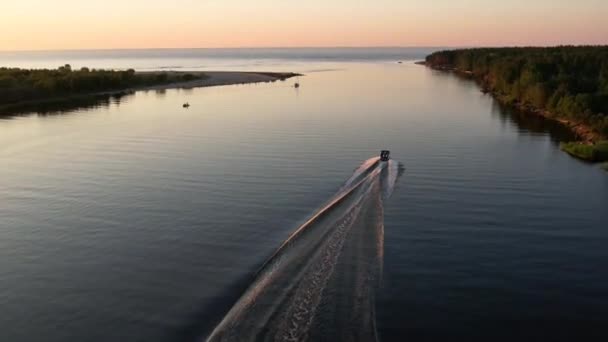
(568, 83)
(19, 86)
(23, 90)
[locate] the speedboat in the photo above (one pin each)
(385, 155)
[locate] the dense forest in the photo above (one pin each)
(567, 82)
(24, 85)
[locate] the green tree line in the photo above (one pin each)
(570, 82)
(25, 85)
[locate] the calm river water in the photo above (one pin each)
(138, 220)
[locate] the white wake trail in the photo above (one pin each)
(320, 284)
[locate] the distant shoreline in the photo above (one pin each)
(201, 79)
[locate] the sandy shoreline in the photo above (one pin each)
(218, 78)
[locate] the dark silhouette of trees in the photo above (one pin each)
(23, 85)
(567, 81)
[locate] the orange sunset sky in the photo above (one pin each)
(72, 24)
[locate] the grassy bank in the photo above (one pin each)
(569, 84)
(593, 153)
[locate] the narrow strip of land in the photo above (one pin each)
(216, 78)
(25, 90)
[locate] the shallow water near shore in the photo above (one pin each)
(137, 219)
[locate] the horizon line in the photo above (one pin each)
(302, 47)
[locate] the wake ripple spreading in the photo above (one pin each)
(320, 284)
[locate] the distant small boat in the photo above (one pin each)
(400, 62)
(186, 105)
(297, 85)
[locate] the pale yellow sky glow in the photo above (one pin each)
(92, 24)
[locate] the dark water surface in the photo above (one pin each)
(138, 220)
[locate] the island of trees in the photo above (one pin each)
(25, 86)
(567, 83)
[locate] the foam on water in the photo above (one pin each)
(320, 284)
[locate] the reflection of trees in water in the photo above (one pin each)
(531, 122)
(524, 121)
(66, 106)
